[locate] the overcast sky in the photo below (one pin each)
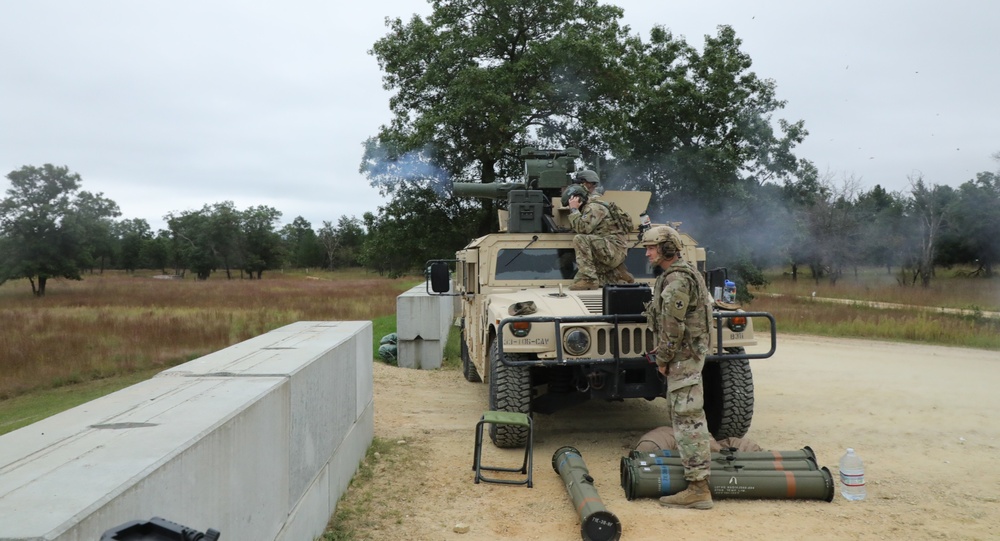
(167, 106)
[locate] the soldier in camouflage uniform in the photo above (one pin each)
(601, 244)
(680, 313)
(591, 181)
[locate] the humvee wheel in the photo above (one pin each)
(728, 396)
(510, 390)
(468, 369)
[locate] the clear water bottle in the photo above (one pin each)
(852, 476)
(729, 292)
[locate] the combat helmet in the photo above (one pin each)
(575, 189)
(587, 175)
(662, 235)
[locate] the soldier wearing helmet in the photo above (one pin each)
(589, 180)
(600, 243)
(680, 314)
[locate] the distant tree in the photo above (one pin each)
(44, 223)
(301, 245)
(351, 234)
(882, 227)
(157, 251)
(224, 236)
(261, 241)
(193, 241)
(93, 214)
(976, 224)
(930, 207)
(132, 234)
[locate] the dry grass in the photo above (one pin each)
(113, 324)
(797, 312)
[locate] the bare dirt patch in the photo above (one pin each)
(924, 419)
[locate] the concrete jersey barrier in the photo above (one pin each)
(258, 441)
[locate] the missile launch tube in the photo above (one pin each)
(804, 453)
(596, 522)
(719, 465)
(656, 481)
(775, 465)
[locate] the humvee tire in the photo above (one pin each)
(728, 396)
(468, 369)
(510, 390)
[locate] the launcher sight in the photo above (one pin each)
(546, 173)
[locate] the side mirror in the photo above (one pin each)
(440, 277)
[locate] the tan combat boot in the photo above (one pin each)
(584, 284)
(623, 276)
(695, 496)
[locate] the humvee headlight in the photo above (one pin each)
(576, 341)
(520, 329)
(737, 324)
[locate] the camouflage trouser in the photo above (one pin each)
(686, 404)
(597, 257)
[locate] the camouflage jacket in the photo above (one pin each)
(595, 219)
(680, 313)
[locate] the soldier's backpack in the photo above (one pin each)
(620, 217)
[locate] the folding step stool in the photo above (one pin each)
(503, 418)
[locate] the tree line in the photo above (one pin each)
(50, 228)
(477, 80)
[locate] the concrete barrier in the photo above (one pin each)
(422, 325)
(258, 441)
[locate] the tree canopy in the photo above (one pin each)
(49, 228)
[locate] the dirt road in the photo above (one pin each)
(924, 419)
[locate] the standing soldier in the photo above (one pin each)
(680, 313)
(600, 243)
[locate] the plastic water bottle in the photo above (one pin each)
(852, 476)
(729, 293)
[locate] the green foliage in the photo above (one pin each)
(49, 229)
(476, 79)
(415, 226)
(702, 131)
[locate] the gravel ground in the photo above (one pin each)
(924, 419)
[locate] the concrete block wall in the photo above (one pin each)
(258, 441)
(422, 325)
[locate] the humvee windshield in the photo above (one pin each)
(557, 264)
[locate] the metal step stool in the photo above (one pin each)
(503, 418)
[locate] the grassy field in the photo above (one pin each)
(798, 311)
(88, 338)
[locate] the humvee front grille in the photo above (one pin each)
(628, 341)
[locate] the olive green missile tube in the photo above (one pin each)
(655, 481)
(720, 465)
(596, 522)
(804, 453)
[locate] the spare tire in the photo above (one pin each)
(728, 396)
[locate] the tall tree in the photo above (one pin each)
(93, 214)
(261, 242)
(301, 246)
(977, 221)
(478, 79)
(132, 234)
(44, 225)
(931, 207)
(703, 130)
